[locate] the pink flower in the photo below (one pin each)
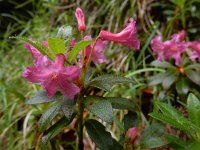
(132, 133)
(80, 19)
(53, 76)
(158, 47)
(172, 48)
(125, 37)
(195, 46)
(97, 55)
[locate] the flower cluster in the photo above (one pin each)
(56, 76)
(174, 48)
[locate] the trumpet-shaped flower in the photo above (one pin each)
(158, 47)
(126, 37)
(195, 46)
(53, 76)
(80, 19)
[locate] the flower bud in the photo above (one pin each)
(80, 19)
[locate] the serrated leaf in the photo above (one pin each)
(48, 116)
(193, 76)
(67, 107)
(41, 97)
(182, 85)
(130, 120)
(193, 106)
(168, 114)
(100, 136)
(38, 45)
(55, 129)
(77, 48)
(101, 108)
(162, 64)
(56, 45)
(105, 82)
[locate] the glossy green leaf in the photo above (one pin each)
(105, 82)
(193, 76)
(48, 116)
(56, 45)
(101, 108)
(67, 107)
(193, 106)
(100, 136)
(55, 129)
(41, 97)
(77, 48)
(192, 66)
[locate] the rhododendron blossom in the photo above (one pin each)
(126, 37)
(172, 48)
(97, 55)
(53, 76)
(195, 46)
(80, 19)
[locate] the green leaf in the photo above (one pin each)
(157, 79)
(56, 45)
(55, 129)
(162, 64)
(192, 66)
(101, 108)
(41, 97)
(121, 103)
(48, 116)
(169, 79)
(193, 106)
(168, 114)
(105, 82)
(100, 136)
(175, 142)
(182, 85)
(38, 45)
(68, 107)
(65, 33)
(152, 137)
(77, 48)
(130, 120)
(193, 76)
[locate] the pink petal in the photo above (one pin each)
(125, 37)
(67, 88)
(51, 87)
(34, 52)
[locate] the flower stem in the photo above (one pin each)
(90, 56)
(80, 123)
